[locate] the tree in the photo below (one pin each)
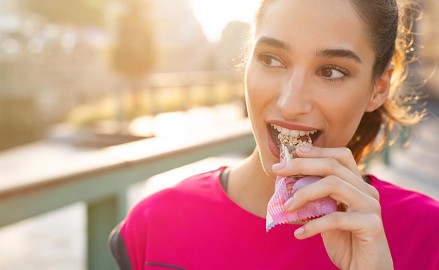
(132, 54)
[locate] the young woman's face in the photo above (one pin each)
(310, 70)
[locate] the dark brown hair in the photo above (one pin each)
(390, 28)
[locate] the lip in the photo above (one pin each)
(272, 145)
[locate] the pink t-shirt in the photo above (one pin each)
(195, 225)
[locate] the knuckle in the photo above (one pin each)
(346, 152)
(375, 220)
(331, 165)
(334, 164)
(374, 193)
(375, 206)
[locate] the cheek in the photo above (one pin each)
(344, 106)
(259, 91)
(343, 115)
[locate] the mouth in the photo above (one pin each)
(301, 135)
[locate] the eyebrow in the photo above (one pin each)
(339, 53)
(273, 42)
(345, 53)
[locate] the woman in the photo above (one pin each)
(326, 67)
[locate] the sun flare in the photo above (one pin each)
(215, 14)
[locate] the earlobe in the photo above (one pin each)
(380, 90)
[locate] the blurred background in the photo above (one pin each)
(80, 76)
(100, 64)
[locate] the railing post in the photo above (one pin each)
(102, 217)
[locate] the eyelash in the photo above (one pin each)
(264, 57)
(343, 71)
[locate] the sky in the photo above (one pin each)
(215, 14)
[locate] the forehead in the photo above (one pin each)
(315, 24)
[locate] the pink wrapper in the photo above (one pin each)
(283, 190)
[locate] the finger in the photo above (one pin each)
(343, 155)
(322, 166)
(353, 198)
(326, 166)
(368, 225)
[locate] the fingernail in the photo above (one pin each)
(279, 166)
(305, 149)
(299, 231)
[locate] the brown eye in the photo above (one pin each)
(327, 72)
(333, 73)
(270, 61)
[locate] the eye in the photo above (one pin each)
(333, 73)
(270, 61)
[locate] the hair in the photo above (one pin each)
(390, 30)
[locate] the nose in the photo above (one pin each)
(295, 96)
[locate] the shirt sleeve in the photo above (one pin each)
(118, 249)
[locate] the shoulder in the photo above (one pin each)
(413, 218)
(408, 212)
(392, 195)
(199, 187)
(395, 197)
(153, 219)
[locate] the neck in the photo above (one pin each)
(250, 186)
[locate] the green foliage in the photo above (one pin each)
(78, 12)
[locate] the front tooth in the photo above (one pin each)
(285, 131)
(294, 133)
(302, 133)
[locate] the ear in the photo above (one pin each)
(380, 90)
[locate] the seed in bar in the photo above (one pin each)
(296, 141)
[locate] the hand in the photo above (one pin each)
(353, 238)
